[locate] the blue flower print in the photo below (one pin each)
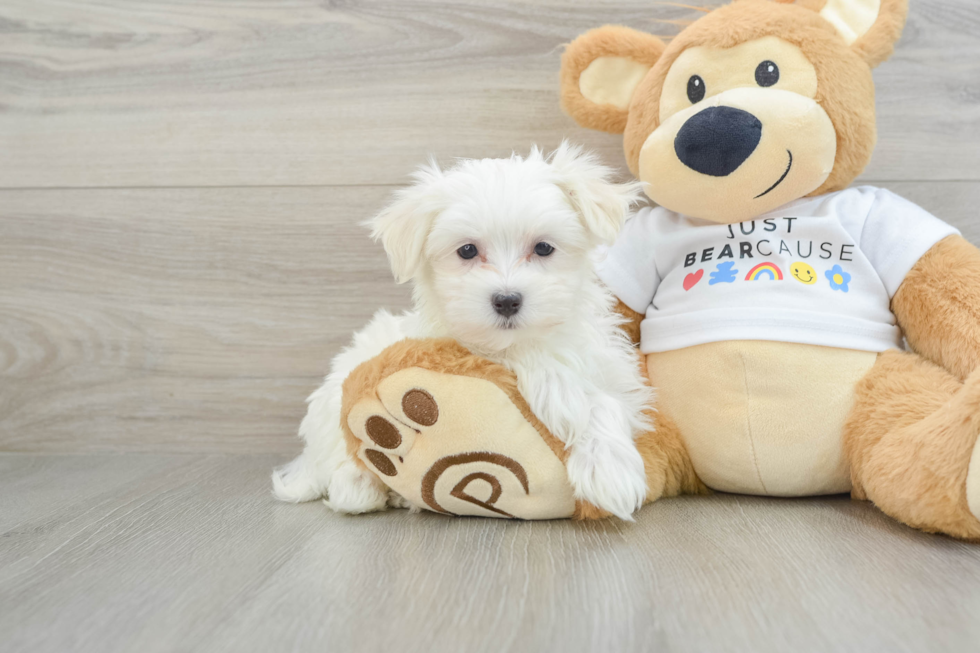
(723, 274)
(838, 278)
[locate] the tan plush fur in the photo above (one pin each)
(449, 357)
(669, 470)
(611, 40)
(845, 91)
(662, 449)
(915, 422)
(938, 306)
(439, 355)
(633, 320)
(909, 440)
(878, 44)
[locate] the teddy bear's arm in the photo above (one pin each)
(938, 306)
(632, 324)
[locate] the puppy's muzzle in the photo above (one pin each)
(507, 305)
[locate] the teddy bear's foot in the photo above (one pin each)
(912, 443)
(453, 443)
(973, 482)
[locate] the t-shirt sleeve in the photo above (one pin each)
(629, 268)
(896, 234)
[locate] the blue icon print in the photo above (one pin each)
(724, 274)
(838, 278)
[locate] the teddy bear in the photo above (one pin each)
(771, 303)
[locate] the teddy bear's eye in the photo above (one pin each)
(767, 74)
(695, 89)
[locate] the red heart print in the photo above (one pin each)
(691, 280)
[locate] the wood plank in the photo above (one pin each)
(199, 319)
(178, 319)
(109, 93)
(194, 554)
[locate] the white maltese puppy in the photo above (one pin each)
(501, 255)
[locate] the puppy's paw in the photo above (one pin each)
(397, 501)
(295, 482)
(608, 475)
(354, 490)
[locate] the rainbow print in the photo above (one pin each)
(765, 271)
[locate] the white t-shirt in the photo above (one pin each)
(820, 270)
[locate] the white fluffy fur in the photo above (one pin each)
(576, 369)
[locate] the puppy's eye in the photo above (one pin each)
(767, 74)
(467, 251)
(695, 89)
(543, 249)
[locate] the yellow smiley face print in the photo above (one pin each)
(803, 273)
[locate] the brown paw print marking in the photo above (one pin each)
(420, 407)
(383, 432)
(381, 462)
(495, 490)
(459, 491)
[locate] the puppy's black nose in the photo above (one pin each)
(718, 140)
(507, 305)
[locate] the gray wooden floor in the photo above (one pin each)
(180, 552)
(180, 187)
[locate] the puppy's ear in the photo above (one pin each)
(404, 225)
(588, 185)
(599, 72)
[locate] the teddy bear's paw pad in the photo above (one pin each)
(384, 439)
(458, 445)
(419, 406)
(409, 403)
(973, 482)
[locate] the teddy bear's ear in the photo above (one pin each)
(870, 27)
(599, 72)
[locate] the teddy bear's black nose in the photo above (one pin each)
(718, 140)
